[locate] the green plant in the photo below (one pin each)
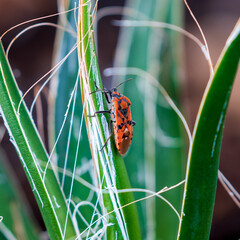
(83, 197)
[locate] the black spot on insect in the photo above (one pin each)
(116, 95)
(124, 111)
(120, 126)
(131, 123)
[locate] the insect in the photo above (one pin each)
(119, 109)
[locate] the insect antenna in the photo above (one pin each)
(121, 84)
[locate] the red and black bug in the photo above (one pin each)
(119, 108)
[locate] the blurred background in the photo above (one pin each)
(31, 58)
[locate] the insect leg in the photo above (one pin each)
(107, 93)
(98, 90)
(111, 133)
(133, 123)
(97, 112)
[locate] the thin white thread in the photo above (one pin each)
(60, 131)
(75, 163)
(69, 137)
(35, 26)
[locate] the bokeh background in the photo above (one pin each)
(31, 58)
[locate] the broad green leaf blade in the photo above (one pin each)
(204, 156)
(32, 153)
(156, 158)
(72, 154)
(109, 165)
(16, 220)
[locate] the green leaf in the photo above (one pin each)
(109, 165)
(16, 220)
(34, 158)
(156, 158)
(204, 155)
(66, 121)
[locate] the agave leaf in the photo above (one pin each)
(203, 163)
(156, 158)
(16, 220)
(67, 129)
(109, 165)
(33, 155)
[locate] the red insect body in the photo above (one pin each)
(122, 122)
(119, 108)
